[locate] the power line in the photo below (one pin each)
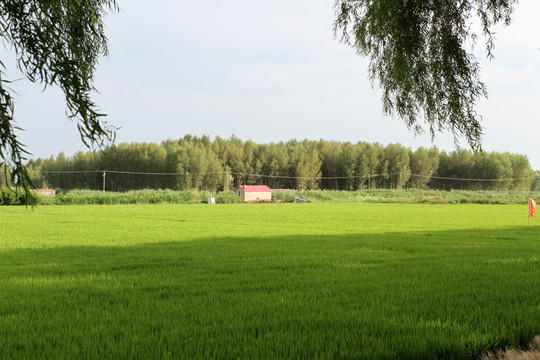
(465, 179)
(274, 176)
(45, 172)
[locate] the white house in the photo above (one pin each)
(254, 193)
(46, 192)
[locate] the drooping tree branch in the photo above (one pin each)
(420, 54)
(57, 42)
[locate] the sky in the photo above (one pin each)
(267, 71)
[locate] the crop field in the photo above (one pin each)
(267, 281)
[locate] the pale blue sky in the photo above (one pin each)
(267, 71)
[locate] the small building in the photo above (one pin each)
(46, 192)
(254, 193)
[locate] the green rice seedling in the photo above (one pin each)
(321, 280)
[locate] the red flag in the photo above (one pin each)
(532, 207)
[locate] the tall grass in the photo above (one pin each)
(90, 197)
(409, 196)
(10, 196)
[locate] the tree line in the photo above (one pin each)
(200, 163)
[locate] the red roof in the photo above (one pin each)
(255, 188)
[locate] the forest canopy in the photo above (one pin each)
(204, 164)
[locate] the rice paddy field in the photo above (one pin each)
(267, 281)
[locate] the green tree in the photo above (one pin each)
(521, 171)
(494, 168)
(274, 161)
(52, 171)
(175, 162)
(348, 163)
(397, 159)
(420, 57)
(424, 163)
(213, 167)
(331, 164)
(233, 158)
(456, 165)
(305, 164)
(82, 163)
(368, 164)
(251, 165)
(57, 42)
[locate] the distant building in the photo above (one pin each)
(46, 192)
(254, 193)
